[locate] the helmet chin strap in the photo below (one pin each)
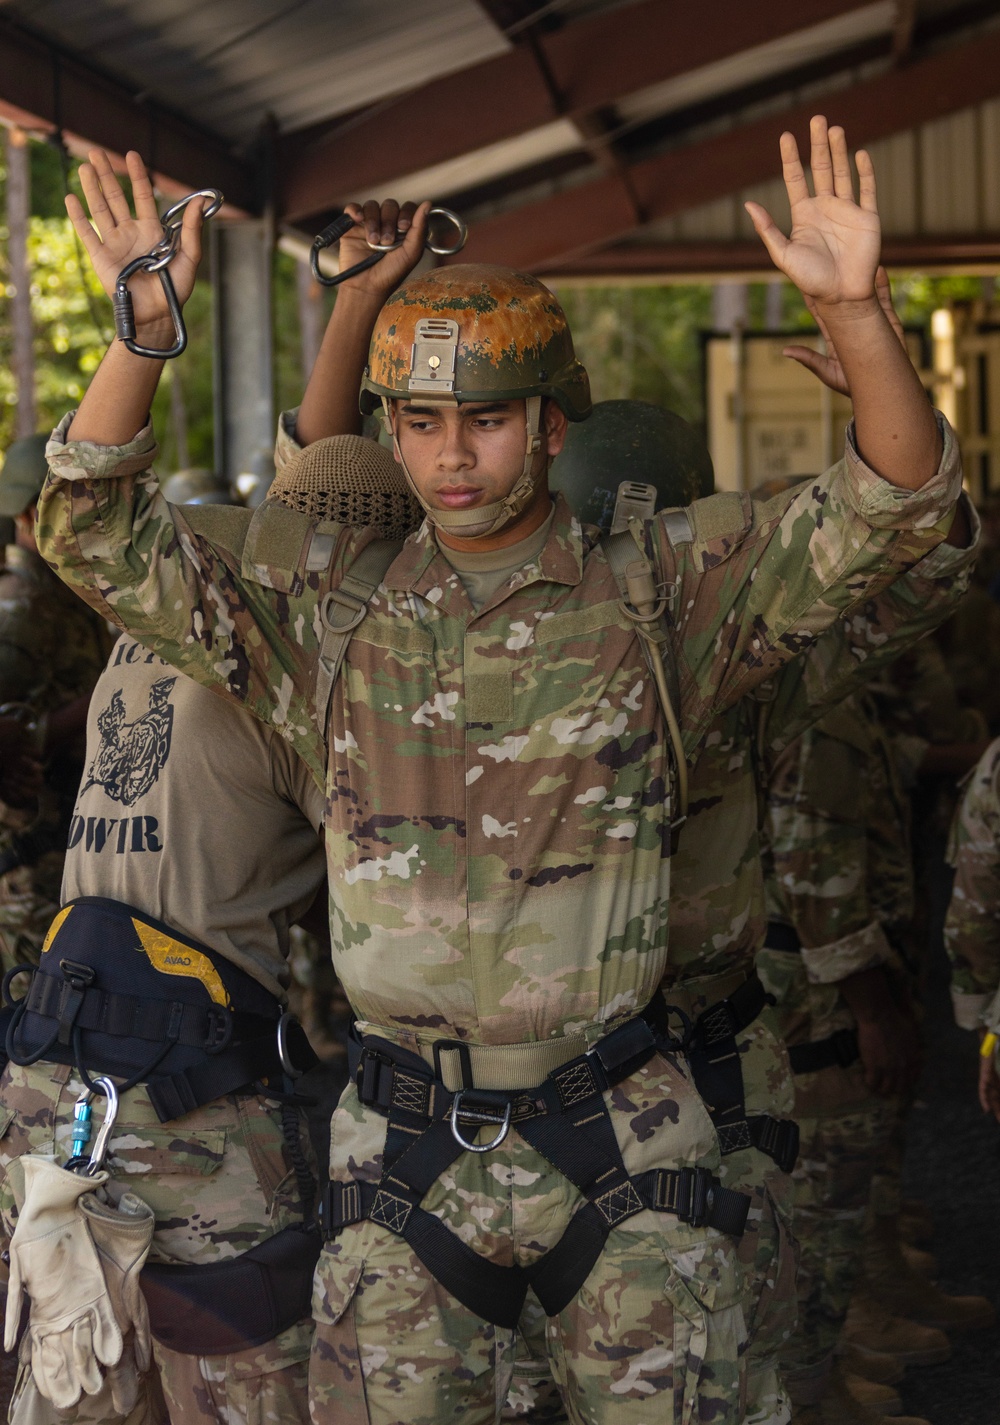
(484, 519)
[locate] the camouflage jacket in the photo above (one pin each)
(717, 908)
(496, 821)
(972, 927)
(837, 843)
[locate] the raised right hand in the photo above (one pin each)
(382, 223)
(120, 237)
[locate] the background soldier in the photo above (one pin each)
(52, 651)
(229, 869)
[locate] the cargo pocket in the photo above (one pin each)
(709, 1296)
(336, 1380)
(770, 1261)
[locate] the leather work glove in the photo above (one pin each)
(122, 1236)
(72, 1328)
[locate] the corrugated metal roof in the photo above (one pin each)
(232, 63)
(941, 178)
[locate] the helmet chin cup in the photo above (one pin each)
(484, 519)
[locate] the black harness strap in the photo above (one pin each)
(840, 1048)
(565, 1119)
(717, 1068)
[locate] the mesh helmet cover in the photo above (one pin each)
(349, 480)
(513, 340)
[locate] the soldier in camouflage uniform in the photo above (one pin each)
(499, 800)
(832, 903)
(972, 927)
(51, 653)
(717, 880)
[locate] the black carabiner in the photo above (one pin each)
(341, 226)
(158, 260)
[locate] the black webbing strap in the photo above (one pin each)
(497, 1293)
(780, 936)
(717, 1068)
(205, 1027)
(232, 1069)
(839, 1048)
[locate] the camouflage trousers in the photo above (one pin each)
(29, 898)
(765, 1254)
(657, 1334)
(845, 1133)
(218, 1182)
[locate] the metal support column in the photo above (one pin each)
(241, 254)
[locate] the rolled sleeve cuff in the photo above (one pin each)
(85, 460)
(827, 964)
(286, 445)
(885, 506)
(968, 1009)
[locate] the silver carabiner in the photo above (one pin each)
(158, 260)
(471, 1116)
(81, 1113)
(438, 241)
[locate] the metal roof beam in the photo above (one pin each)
(655, 261)
(547, 233)
(43, 87)
(592, 63)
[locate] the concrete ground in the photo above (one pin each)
(953, 1164)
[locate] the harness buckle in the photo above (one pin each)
(479, 1116)
(218, 1029)
(701, 1196)
(78, 979)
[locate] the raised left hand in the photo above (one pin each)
(833, 250)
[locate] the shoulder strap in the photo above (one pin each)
(341, 611)
(643, 602)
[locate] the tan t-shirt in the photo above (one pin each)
(483, 573)
(195, 813)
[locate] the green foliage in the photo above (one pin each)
(636, 341)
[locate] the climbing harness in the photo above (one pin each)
(446, 234)
(564, 1118)
(158, 260)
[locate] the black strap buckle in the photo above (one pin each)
(844, 1043)
(695, 1196)
(218, 1029)
(78, 980)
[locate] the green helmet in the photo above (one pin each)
(197, 486)
(476, 333)
(23, 474)
(631, 440)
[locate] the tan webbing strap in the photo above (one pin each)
(341, 611)
(644, 602)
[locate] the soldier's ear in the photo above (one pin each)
(554, 425)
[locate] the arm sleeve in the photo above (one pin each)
(757, 584)
(109, 533)
(858, 646)
(972, 926)
(816, 837)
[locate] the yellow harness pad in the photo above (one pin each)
(172, 957)
(55, 927)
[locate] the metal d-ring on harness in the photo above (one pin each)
(158, 260)
(341, 226)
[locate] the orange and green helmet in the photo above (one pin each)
(470, 332)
